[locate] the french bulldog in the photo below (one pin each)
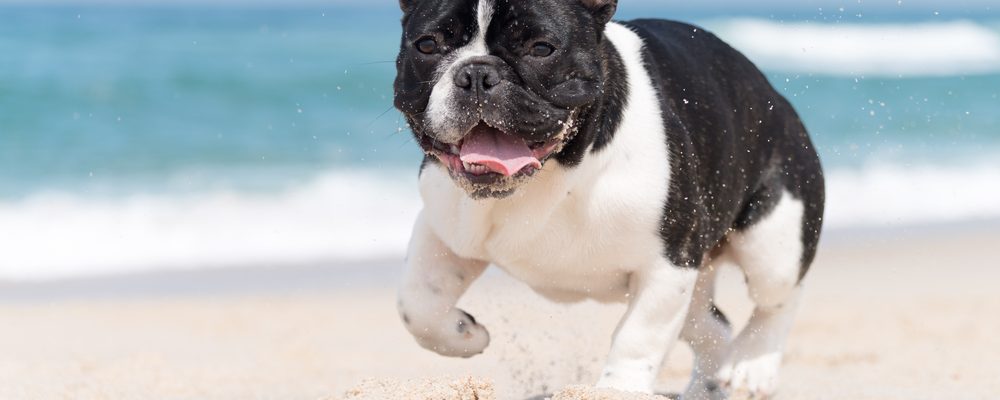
(615, 161)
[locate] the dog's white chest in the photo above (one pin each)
(570, 233)
(562, 243)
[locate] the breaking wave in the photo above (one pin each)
(857, 49)
(338, 217)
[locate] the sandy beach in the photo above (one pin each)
(893, 314)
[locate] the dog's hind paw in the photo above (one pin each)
(702, 388)
(751, 377)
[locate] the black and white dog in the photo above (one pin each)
(604, 160)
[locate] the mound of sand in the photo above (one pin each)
(430, 389)
(469, 388)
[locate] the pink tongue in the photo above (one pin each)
(501, 153)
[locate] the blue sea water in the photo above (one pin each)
(112, 97)
(201, 136)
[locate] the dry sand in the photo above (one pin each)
(893, 315)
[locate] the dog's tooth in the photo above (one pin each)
(466, 165)
(455, 149)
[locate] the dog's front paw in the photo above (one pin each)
(751, 377)
(628, 376)
(455, 334)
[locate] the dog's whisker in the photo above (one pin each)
(372, 63)
(379, 117)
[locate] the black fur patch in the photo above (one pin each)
(717, 313)
(600, 121)
(735, 143)
(469, 316)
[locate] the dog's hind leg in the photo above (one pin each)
(770, 252)
(434, 281)
(708, 333)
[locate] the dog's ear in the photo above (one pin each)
(603, 10)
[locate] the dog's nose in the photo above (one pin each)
(478, 78)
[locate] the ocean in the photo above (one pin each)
(136, 138)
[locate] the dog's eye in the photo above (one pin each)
(542, 49)
(427, 45)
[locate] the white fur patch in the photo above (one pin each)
(770, 254)
(755, 356)
(441, 107)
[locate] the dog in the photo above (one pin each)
(615, 161)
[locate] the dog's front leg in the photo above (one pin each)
(435, 279)
(659, 300)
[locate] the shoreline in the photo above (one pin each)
(329, 276)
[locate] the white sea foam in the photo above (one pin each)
(860, 49)
(354, 216)
(341, 216)
(892, 195)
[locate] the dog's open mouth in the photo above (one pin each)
(487, 153)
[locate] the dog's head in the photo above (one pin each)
(492, 89)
